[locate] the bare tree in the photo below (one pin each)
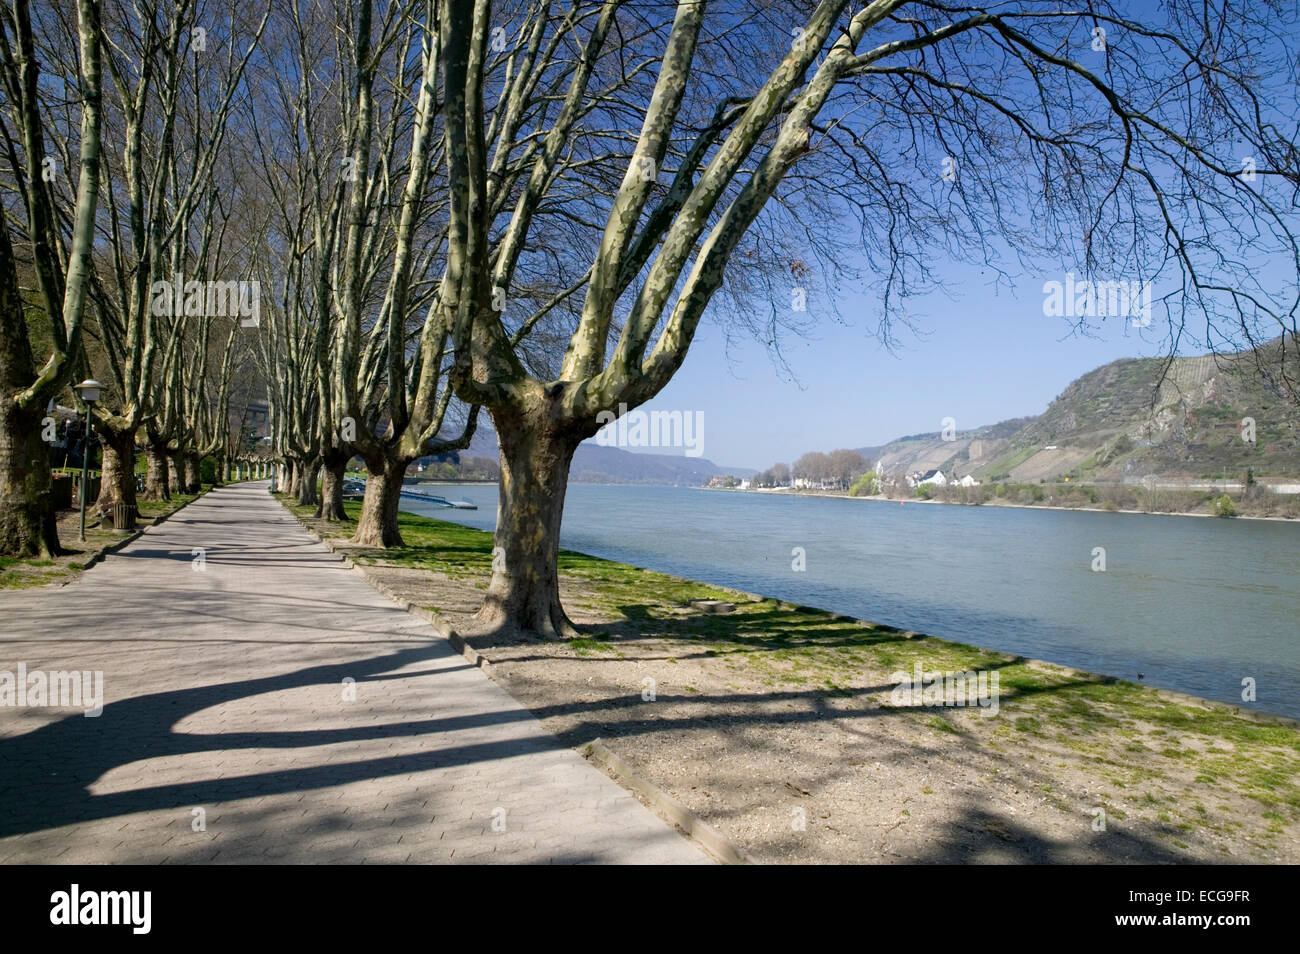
(846, 466)
(60, 230)
(1083, 137)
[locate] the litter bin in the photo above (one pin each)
(61, 490)
(123, 516)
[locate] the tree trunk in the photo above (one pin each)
(27, 507)
(525, 590)
(378, 524)
(175, 472)
(334, 466)
(193, 472)
(117, 483)
(157, 485)
(307, 485)
(294, 484)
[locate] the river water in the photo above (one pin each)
(1195, 605)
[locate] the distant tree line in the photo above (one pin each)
(461, 468)
(834, 471)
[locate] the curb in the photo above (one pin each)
(668, 808)
(130, 538)
(430, 616)
(694, 827)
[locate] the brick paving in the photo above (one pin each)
(274, 700)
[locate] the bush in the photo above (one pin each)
(925, 491)
(867, 484)
(208, 470)
(1223, 507)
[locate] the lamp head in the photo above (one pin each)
(89, 390)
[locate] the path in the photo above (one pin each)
(298, 714)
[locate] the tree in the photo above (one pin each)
(938, 130)
(813, 466)
(845, 466)
(174, 90)
(61, 263)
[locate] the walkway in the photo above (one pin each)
(272, 707)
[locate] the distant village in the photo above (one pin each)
(867, 482)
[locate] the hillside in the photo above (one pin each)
(1125, 421)
(969, 452)
(612, 465)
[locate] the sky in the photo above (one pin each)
(985, 357)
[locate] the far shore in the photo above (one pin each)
(990, 503)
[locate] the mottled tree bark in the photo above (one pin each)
(175, 472)
(157, 483)
(117, 483)
(27, 513)
(378, 524)
(27, 509)
(334, 466)
(307, 484)
(193, 472)
(525, 587)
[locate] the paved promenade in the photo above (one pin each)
(276, 703)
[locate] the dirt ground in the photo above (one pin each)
(793, 771)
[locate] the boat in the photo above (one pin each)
(354, 489)
(441, 501)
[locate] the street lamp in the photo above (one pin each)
(88, 390)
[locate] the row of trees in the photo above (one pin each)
(837, 470)
(120, 204)
(522, 210)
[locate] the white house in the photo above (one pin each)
(968, 481)
(936, 477)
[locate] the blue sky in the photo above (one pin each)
(979, 359)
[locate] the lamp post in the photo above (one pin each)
(88, 391)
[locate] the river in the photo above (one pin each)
(1195, 605)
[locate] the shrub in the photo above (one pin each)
(1223, 507)
(925, 491)
(865, 485)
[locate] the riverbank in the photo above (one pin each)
(996, 502)
(779, 726)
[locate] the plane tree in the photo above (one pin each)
(52, 214)
(1107, 138)
(175, 73)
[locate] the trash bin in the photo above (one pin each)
(123, 516)
(61, 491)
